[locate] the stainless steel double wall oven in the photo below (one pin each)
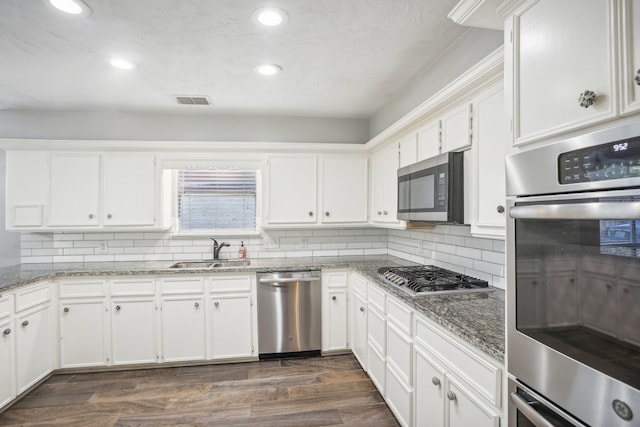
(573, 273)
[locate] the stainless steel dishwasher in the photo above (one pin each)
(289, 313)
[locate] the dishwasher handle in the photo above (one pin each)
(290, 280)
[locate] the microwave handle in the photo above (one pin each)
(530, 413)
(595, 210)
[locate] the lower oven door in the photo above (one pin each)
(529, 409)
(573, 302)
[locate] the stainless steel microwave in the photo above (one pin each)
(432, 190)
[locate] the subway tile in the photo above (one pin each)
(494, 257)
(67, 258)
(478, 243)
(85, 244)
(350, 252)
(326, 252)
(453, 240)
(469, 252)
(499, 245)
(36, 259)
(448, 249)
(25, 252)
(375, 251)
(499, 282)
(488, 267)
(78, 251)
(98, 236)
(128, 236)
(99, 258)
(129, 257)
(65, 236)
(351, 232)
(461, 261)
(460, 230)
(35, 237)
(293, 254)
(158, 257)
(330, 246)
(32, 245)
(46, 252)
(121, 243)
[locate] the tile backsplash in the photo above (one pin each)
(447, 246)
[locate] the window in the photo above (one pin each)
(216, 200)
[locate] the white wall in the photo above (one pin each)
(468, 50)
(9, 241)
(79, 125)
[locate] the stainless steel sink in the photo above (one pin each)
(209, 264)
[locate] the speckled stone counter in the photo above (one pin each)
(477, 318)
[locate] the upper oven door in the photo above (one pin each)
(574, 301)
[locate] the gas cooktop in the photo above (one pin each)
(430, 280)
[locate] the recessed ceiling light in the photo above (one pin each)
(268, 69)
(72, 7)
(269, 17)
(122, 64)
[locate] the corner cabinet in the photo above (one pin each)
(312, 190)
(82, 191)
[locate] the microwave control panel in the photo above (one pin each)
(614, 160)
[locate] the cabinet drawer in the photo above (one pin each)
(399, 315)
(484, 377)
(377, 330)
(400, 397)
(5, 306)
(82, 288)
(182, 285)
(230, 284)
(376, 296)
(376, 368)
(133, 287)
(399, 350)
(358, 284)
(31, 297)
(336, 279)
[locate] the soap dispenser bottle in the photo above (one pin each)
(242, 252)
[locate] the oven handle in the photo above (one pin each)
(530, 413)
(593, 210)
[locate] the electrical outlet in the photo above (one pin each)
(270, 244)
(102, 247)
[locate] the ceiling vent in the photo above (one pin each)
(192, 100)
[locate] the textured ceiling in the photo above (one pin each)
(341, 58)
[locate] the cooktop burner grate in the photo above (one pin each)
(424, 279)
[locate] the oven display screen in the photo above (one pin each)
(615, 160)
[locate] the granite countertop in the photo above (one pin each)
(477, 318)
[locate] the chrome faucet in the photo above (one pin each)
(217, 247)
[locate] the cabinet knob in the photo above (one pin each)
(310, 213)
(587, 98)
(609, 285)
(362, 309)
(435, 381)
(66, 309)
(333, 298)
(117, 308)
(379, 213)
(91, 216)
(109, 216)
(326, 214)
(25, 323)
(384, 212)
(196, 305)
(637, 77)
(451, 395)
(500, 209)
(625, 290)
(216, 303)
(7, 331)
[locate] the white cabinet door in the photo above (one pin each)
(456, 129)
(7, 360)
(27, 189)
(231, 331)
(491, 146)
(384, 171)
(466, 410)
(630, 30)
(429, 140)
(399, 397)
(183, 329)
(358, 316)
(74, 198)
(34, 344)
(133, 331)
(129, 190)
(335, 325)
(291, 196)
(561, 50)
(344, 189)
(428, 390)
(83, 326)
(408, 150)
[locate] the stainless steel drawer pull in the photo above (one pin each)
(216, 303)
(7, 331)
(196, 305)
(117, 308)
(451, 395)
(66, 309)
(435, 381)
(25, 323)
(333, 298)
(362, 309)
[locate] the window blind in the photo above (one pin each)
(216, 199)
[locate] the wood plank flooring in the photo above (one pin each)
(318, 391)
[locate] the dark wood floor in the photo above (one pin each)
(292, 392)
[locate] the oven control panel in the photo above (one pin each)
(614, 160)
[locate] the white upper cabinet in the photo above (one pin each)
(429, 140)
(630, 37)
(563, 66)
(291, 190)
(74, 199)
(408, 150)
(129, 190)
(456, 129)
(384, 183)
(27, 189)
(344, 189)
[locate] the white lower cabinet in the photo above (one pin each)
(183, 328)
(464, 409)
(34, 345)
(133, 331)
(334, 311)
(7, 357)
(231, 326)
(358, 319)
(428, 389)
(399, 396)
(83, 326)
(399, 361)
